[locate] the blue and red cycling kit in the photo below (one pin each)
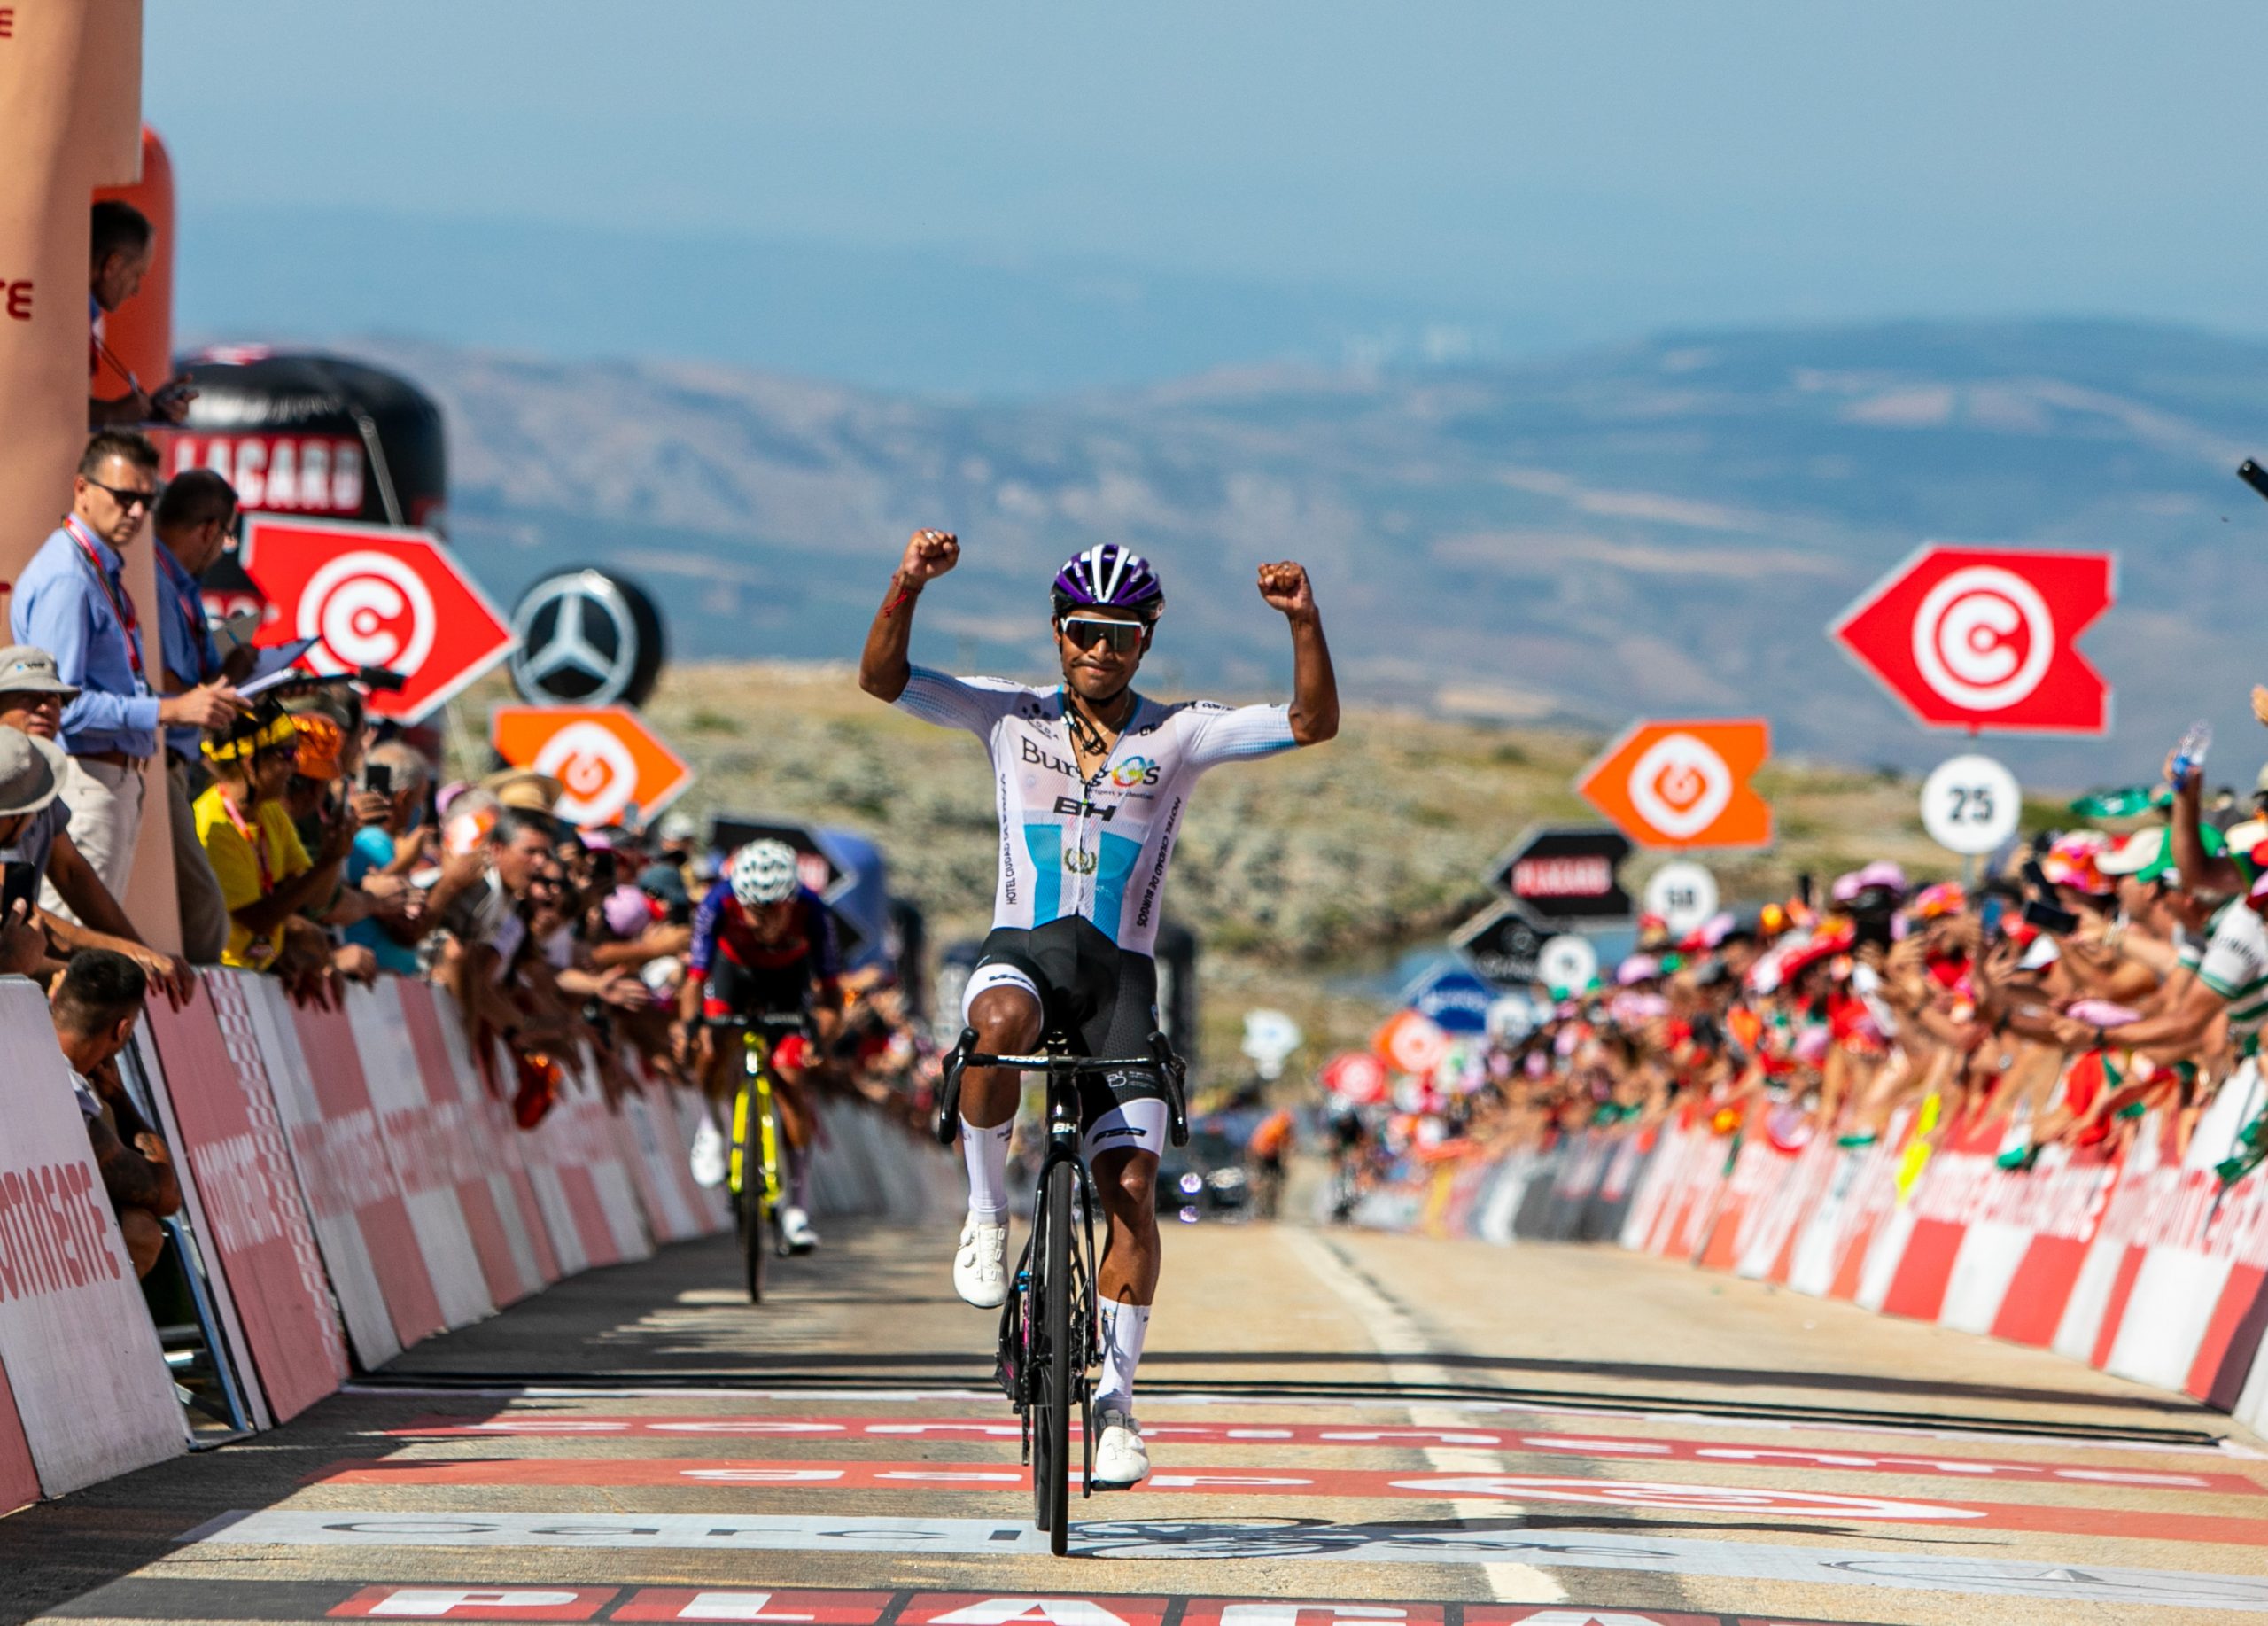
(744, 976)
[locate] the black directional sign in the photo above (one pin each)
(1567, 873)
(1502, 944)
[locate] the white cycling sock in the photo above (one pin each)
(985, 1151)
(1124, 1328)
(799, 1175)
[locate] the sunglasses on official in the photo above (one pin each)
(130, 497)
(1118, 637)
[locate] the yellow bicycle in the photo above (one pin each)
(757, 1169)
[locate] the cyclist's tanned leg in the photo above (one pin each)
(1126, 1282)
(1006, 1021)
(1126, 1184)
(797, 1124)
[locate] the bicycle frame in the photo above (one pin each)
(757, 1129)
(753, 1099)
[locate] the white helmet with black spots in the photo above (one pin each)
(764, 872)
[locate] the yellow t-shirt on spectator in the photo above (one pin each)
(249, 866)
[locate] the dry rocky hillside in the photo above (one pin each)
(1660, 529)
(1297, 873)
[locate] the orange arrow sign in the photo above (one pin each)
(605, 758)
(1684, 784)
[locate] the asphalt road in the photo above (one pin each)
(1346, 1427)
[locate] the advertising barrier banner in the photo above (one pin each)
(427, 1163)
(2138, 1261)
(575, 1159)
(89, 1380)
(489, 1122)
(192, 1232)
(362, 1222)
(676, 1209)
(253, 1216)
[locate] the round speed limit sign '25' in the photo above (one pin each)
(1971, 804)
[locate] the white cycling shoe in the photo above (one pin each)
(1122, 1461)
(980, 1267)
(708, 1156)
(796, 1230)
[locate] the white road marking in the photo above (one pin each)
(1390, 1329)
(1260, 1539)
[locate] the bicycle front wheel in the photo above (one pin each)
(1051, 1462)
(751, 1181)
(753, 1241)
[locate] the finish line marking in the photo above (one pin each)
(1005, 1477)
(1162, 1393)
(1268, 1540)
(1402, 1437)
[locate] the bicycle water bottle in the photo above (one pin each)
(2189, 755)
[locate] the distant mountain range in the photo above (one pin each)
(1660, 528)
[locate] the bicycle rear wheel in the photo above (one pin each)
(1051, 1464)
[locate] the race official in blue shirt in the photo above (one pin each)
(194, 518)
(72, 601)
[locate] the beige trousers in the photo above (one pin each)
(106, 803)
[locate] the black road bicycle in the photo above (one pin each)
(1050, 1342)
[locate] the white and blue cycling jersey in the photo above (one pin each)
(1095, 848)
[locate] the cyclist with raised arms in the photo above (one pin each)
(1093, 780)
(764, 945)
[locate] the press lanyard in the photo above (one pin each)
(121, 606)
(256, 838)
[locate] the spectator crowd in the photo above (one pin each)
(310, 842)
(2095, 981)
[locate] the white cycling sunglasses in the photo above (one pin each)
(1118, 637)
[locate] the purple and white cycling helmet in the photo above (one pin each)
(1108, 577)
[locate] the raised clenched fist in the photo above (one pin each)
(928, 555)
(1284, 586)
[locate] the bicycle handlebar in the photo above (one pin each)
(774, 1021)
(1161, 1064)
(1069, 1063)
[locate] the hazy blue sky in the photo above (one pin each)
(1533, 171)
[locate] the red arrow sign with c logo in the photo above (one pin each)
(1980, 638)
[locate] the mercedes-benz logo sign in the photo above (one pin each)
(586, 637)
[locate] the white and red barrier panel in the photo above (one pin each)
(489, 1122)
(231, 1344)
(677, 1210)
(354, 1199)
(430, 1166)
(354, 1186)
(251, 1211)
(2138, 1262)
(575, 1158)
(88, 1379)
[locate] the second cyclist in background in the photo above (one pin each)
(764, 944)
